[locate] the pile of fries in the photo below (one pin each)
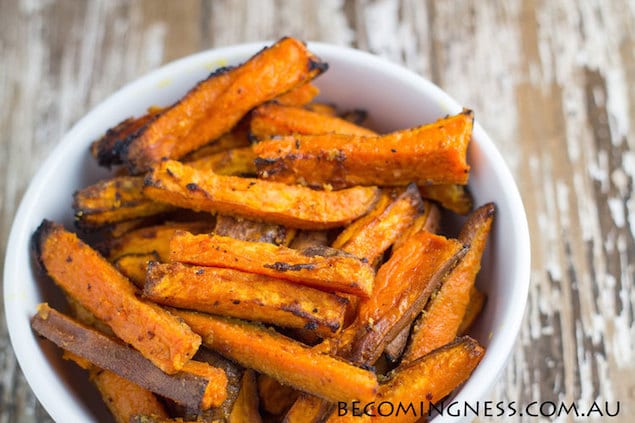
(258, 257)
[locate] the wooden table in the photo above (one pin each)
(553, 82)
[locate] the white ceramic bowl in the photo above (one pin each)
(394, 97)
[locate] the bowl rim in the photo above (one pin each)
(501, 343)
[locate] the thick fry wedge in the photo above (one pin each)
(473, 310)
(456, 198)
(151, 240)
(428, 380)
(370, 240)
(196, 385)
(114, 200)
(246, 406)
(275, 398)
(248, 230)
(249, 296)
(133, 266)
(216, 104)
(402, 287)
(99, 287)
(285, 360)
(273, 202)
(273, 119)
(444, 314)
(429, 154)
(124, 398)
(298, 96)
(323, 268)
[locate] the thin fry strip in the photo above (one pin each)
(454, 197)
(99, 287)
(429, 379)
(295, 206)
(197, 385)
(273, 119)
(323, 268)
(215, 105)
(285, 360)
(444, 314)
(298, 96)
(249, 296)
(133, 266)
(430, 154)
(473, 310)
(402, 287)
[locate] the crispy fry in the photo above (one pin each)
(323, 268)
(248, 296)
(237, 138)
(298, 96)
(124, 398)
(106, 149)
(97, 285)
(248, 230)
(273, 202)
(429, 379)
(402, 287)
(429, 154)
(151, 240)
(273, 119)
(429, 221)
(237, 161)
(246, 405)
(216, 104)
(456, 198)
(196, 385)
(288, 361)
(370, 240)
(133, 266)
(442, 318)
(322, 108)
(473, 310)
(114, 200)
(275, 398)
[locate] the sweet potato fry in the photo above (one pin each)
(237, 161)
(395, 348)
(124, 398)
(114, 200)
(273, 119)
(197, 384)
(474, 307)
(429, 154)
(370, 240)
(402, 287)
(429, 379)
(97, 285)
(275, 398)
(453, 197)
(308, 239)
(151, 240)
(322, 108)
(216, 104)
(248, 230)
(444, 314)
(324, 268)
(249, 296)
(308, 409)
(273, 202)
(287, 361)
(133, 266)
(298, 96)
(246, 405)
(429, 221)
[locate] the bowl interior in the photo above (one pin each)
(394, 98)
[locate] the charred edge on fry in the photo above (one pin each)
(312, 323)
(39, 237)
(316, 64)
(286, 267)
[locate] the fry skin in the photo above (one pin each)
(85, 275)
(443, 316)
(322, 268)
(216, 104)
(196, 385)
(249, 296)
(294, 206)
(287, 361)
(430, 154)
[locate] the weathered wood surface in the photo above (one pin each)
(552, 81)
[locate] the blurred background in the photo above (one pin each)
(552, 81)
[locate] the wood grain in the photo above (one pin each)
(553, 82)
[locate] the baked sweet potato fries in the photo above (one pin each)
(259, 255)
